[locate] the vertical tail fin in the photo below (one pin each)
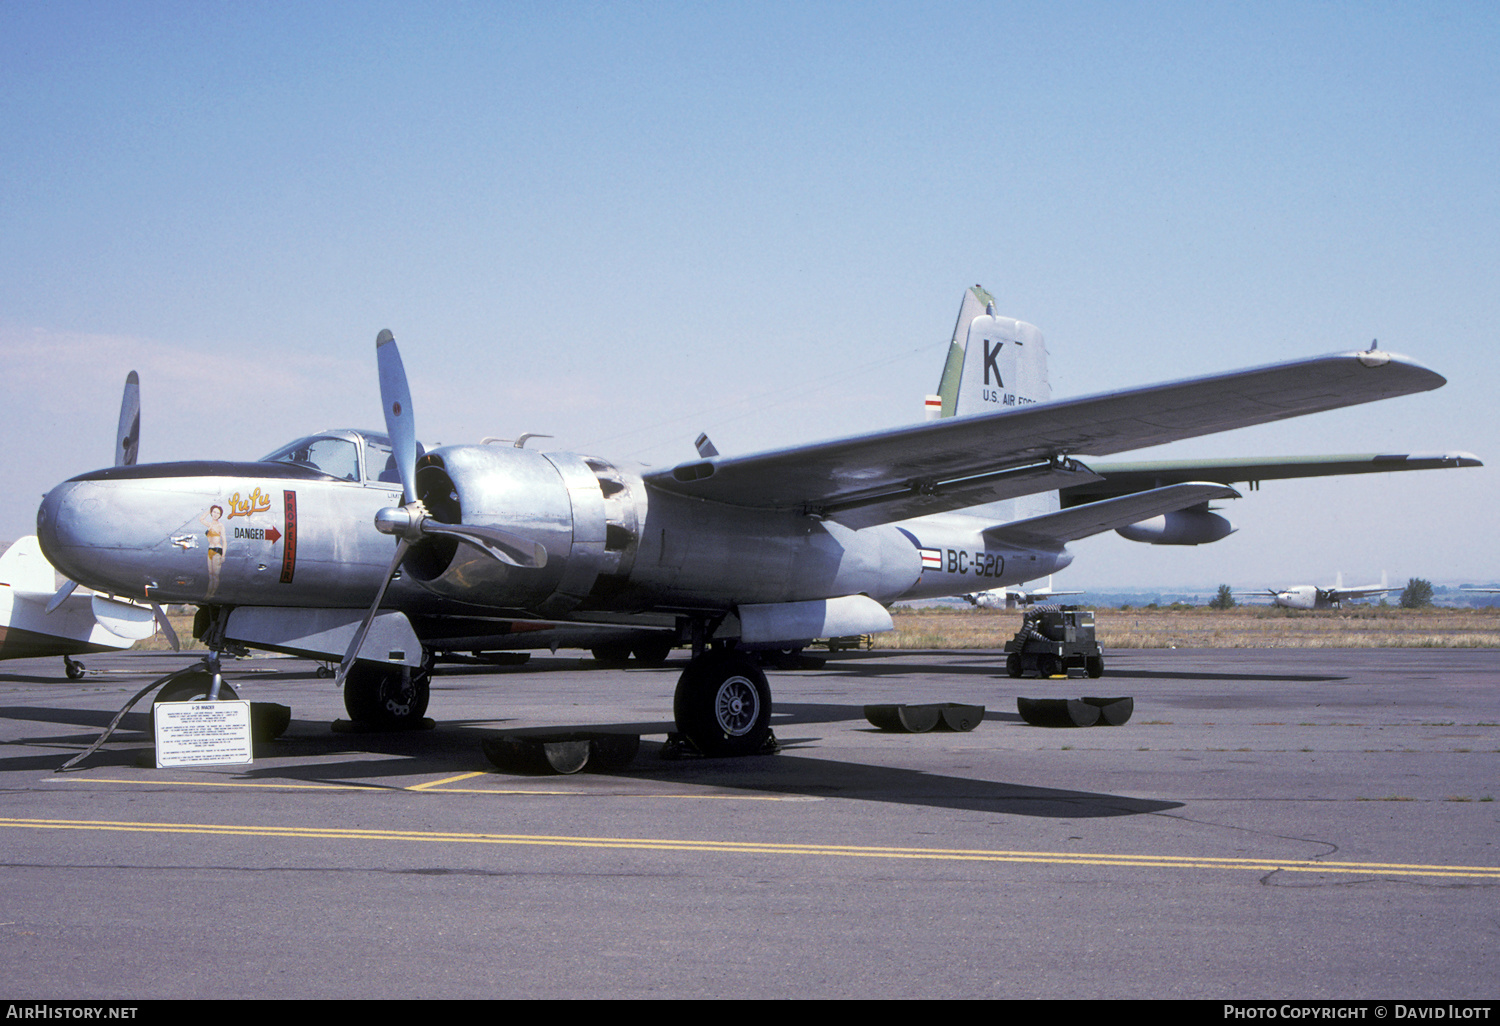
(995, 363)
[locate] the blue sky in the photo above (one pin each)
(622, 224)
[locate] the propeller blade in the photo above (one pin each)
(166, 626)
(395, 396)
(128, 435)
(502, 545)
(364, 628)
(62, 595)
(411, 521)
(127, 447)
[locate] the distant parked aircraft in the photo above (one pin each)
(1309, 596)
(1014, 598)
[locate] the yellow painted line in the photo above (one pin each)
(218, 783)
(767, 848)
(446, 780)
(431, 785)
(636, 794)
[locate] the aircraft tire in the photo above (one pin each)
(653, 652)
(385, 696)
(192, 688)
(73, 668)
(723, 704)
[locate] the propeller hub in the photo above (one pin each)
(401, 521)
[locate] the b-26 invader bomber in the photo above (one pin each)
(363, 545)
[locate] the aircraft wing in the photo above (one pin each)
(1105, 515)
(1343, 594)
(1123, 478)
(962, 461)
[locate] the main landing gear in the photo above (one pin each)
(723, 704)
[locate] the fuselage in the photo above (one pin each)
(1303, 596)
(297, 530)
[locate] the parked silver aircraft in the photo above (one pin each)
(1314, 597)
(39, 619)
(1310, 596)
(766, 549)
(1015, 598)
(79, 623)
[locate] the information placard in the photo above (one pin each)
(202, 734)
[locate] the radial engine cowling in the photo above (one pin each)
(1180, 527)
(582, 510)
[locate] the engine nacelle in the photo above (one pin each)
(1180, 527)
(582, 510)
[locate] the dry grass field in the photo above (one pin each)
(1200, 627)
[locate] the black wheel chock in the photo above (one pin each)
(561, 753)
(919, 719)
(1057, 712)
(1075, 712)
(1113, 712)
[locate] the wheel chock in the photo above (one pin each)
(680, 746)
(905, 719)
(610, 752)
(1057, 712)
(1113, 712)
(960, 717)
(919, 719)
(269, 720)
(561, 753)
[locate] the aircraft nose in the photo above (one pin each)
(89, 530)
(57, 528)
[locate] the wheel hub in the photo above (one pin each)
(398, 698)
(737, 706)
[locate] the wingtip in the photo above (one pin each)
(1375, 359)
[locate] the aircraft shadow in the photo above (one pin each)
(1313, 678)
(390, 760)
(457, 745)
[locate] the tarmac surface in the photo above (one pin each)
(1296, 824)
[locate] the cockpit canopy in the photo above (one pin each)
(344, 454)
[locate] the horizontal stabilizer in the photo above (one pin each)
(1123, 478)
(1106, 515)
(27, 571)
